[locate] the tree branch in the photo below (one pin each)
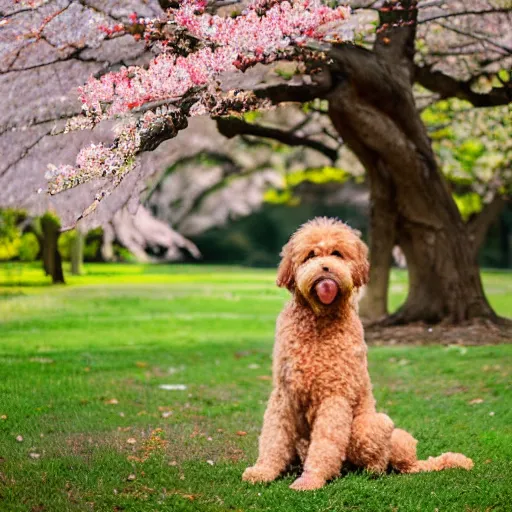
(475, 35)
(377, 84)
(449, 87)
(230, 127)
(316, 83)
(468, 12)
(396, 34)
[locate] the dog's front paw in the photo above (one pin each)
(308, 482)
(258, 474)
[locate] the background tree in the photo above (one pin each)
(47, 50)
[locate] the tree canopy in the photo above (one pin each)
(152, 68)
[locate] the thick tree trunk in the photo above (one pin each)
(444, 279)
(371, 104)
(52, 261)
(77, 253)
(373, 109)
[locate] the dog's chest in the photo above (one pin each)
(313, 364)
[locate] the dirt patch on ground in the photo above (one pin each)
(179, 443)
(423, 334)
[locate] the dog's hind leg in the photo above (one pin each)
(277, 441)
(370, 441)
(403, 456)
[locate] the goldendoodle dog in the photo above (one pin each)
(322, 407)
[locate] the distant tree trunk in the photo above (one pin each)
(107, 244)
(480, 223)
(373, 109)
(52, 261)
(374, 304)
(77, 253)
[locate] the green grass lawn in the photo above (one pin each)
(81, 367)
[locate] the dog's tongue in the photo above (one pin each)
(326, 289)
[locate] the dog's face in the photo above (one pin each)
(324, 261)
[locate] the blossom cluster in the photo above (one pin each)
(249, 35)
(263, 32)
(283, 24)
(167, 77)
(98, 161)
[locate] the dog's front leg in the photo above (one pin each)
(277, 441)
(330, 436)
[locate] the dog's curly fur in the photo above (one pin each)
(322, 407)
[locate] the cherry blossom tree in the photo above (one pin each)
(39, 76)
(218, 60)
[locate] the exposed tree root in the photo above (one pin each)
(477, 332)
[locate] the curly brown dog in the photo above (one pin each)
(322, 407)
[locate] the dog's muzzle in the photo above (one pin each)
(326, 290)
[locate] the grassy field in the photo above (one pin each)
(86, 425)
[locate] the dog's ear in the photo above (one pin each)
(285, 277)
(361, 266)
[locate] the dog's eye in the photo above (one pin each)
(337, 254)
(309, 256)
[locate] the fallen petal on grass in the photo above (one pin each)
(173, 387)
(41, 360)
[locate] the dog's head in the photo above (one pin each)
(323, 262)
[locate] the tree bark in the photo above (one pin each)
(52, 261)
(372, 107)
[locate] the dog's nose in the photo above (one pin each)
(325, 269)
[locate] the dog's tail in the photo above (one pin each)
(444, 461)
(403, 456)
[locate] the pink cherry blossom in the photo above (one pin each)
(265, 31)
(249, 36)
